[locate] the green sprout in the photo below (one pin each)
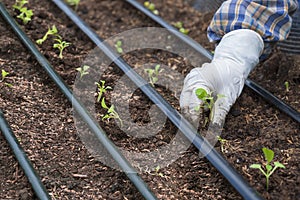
(25, 13)
(51, 31)
(61, 45)
(83, 70)
(101, 89)
(181, 29)
(73, 3)
(207, 100)
(19, 4)
(111, 113)
(157, 171)
(151, 7)
(222, 142)
(118, 46)
(4, 74)
(287, 86)
(269, 155)
(153, 74)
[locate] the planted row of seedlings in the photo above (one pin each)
(102, 86)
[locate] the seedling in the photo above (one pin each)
(207, 100)
(4, 74)
(111, 113)
(101, 89)
(51, 31)
(222, 142)
(19, 4)
(151, 7)
(157, 171)
(61, 45)
(73, 3)
(118, 46)
(25, 13)
(181, 29)
(83, 70)
(287, 86)
(269, 155)
(153, 74)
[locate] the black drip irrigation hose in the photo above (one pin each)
(249, 83)
(33, 178)
(88, 119)
(184, 126)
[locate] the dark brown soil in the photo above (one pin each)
(42, 118)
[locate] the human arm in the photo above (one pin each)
(241, 30)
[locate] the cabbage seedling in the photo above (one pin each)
(118, 46)
(181, 29)
(151, 7)
(83, 70)
(74, 3)
(101, 89)
(207, 100)
(287, 86)
(61, 45)
(4, 74)
(19, 4)
(222, 142)
(111, 113)
(51, 31)
(157, 171)
(153, 74)
(269, 155)
(25, 13)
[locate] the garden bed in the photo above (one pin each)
(42, 118)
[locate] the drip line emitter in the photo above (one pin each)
(234, 178)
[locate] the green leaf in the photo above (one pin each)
(151, 7)
(178, 25)
(269, 167)
(157, 68)
(201, 93)
(155, 12)
(53, 30)
(269, 154)
(255, 166)
(146, 4)
(103, 104)
(119, 50)
(85, 67)
(278, 164)
(4, 73)
(119, 43)
(111, 109)
(157, 168)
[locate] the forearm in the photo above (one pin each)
(270, 19)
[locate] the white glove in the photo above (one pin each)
(235, 56)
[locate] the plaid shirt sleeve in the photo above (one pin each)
(270, 18)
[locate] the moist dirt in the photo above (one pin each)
(42, 118)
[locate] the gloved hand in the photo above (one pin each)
(236, 55)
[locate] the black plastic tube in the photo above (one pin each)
(23, 160)
(249, 83)
(88, 119)
(186, 128)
